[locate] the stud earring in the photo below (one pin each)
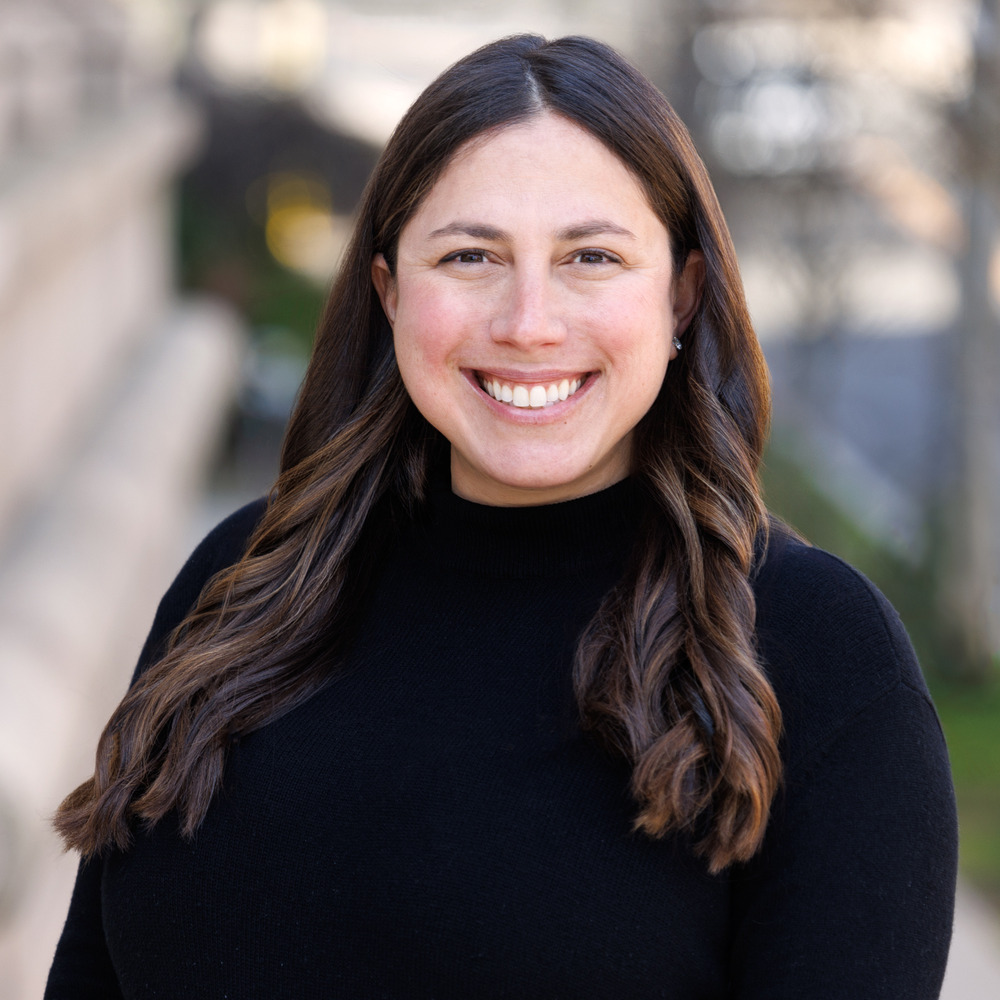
(677, 343)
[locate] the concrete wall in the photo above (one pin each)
(112, 396)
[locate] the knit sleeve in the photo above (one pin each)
(853, 892)
(82, 968)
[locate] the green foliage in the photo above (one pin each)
(970, 715)
(226, 255)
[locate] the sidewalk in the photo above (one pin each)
(974, 963)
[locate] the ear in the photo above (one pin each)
(385, 285)
(687, 291)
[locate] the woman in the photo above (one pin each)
(510, 689)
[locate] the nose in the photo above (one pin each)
(528, 317)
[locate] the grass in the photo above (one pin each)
(969, 711)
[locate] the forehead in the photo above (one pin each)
(547, 165)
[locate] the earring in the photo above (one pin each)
(677, 343)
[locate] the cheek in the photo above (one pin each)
(637, 333)
(420, 364)
(426, 338)
(429, 326)
(418, 348)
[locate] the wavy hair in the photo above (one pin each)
(666, 673)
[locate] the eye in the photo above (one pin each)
(595, 257)
(465, 257)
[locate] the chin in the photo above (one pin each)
(531, 482)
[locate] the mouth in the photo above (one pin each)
(533, 395)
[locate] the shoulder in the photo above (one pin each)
(223, 546)
(831, 643)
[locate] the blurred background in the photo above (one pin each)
(176, 181)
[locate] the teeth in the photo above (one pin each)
(533, 396)
(537, 396)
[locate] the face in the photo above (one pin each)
(533, 310)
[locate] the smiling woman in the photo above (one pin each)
(511, 687)
(536, 349)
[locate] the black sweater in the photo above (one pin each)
(433, 824)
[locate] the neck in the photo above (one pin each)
(598, 529)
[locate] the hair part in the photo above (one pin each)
(666, 674)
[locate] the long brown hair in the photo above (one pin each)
(666, 673)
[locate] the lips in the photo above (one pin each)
(535, 395)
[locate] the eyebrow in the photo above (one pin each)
(476, 230)
(581, 231)
(595, 227)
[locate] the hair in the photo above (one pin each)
(666, 673)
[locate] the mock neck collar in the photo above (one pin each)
(596, 530)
